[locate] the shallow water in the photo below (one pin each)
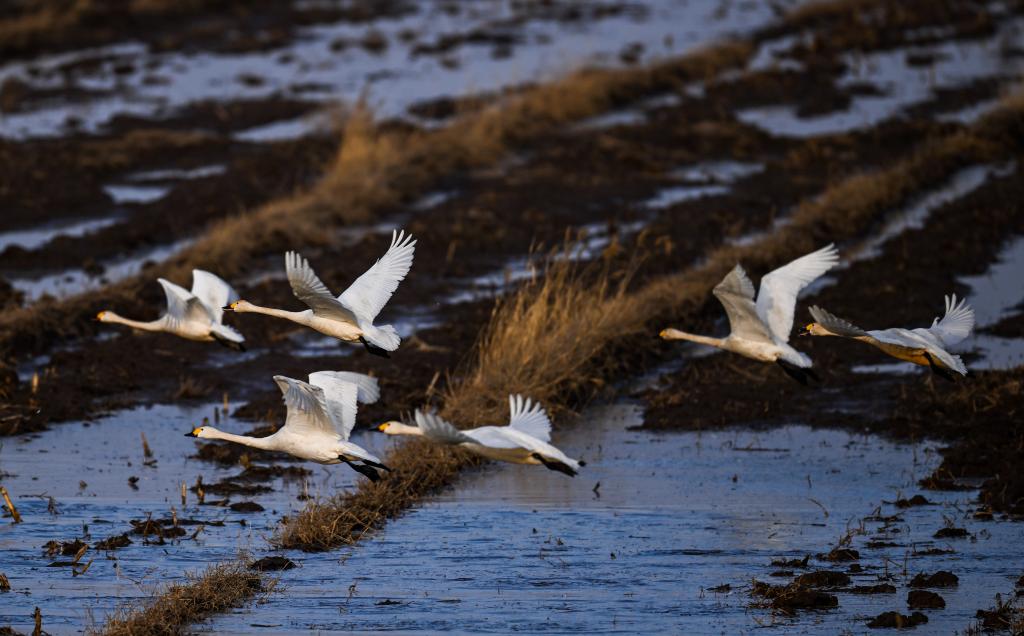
(85, 468)
(903, 85)
(38, 236)
(76, 281)
(392, 79)
(517, 548)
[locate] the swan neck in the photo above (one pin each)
(294, 316)
(405, 429)
(152, 325)
(675, 334)
(255, 442)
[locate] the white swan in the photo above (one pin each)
(194, 315)
(761, 331)
(349, 317)
(321, 414)
(526, 439)
(926, 347)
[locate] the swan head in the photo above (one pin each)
(105, 316)
(202, 431)
(240, 306)
(815, 329)
(398, 428)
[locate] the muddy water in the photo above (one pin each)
(520, 548)
(86, 469)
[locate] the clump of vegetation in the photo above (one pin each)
(180, 604)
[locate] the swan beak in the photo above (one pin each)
(664, 334)
(230, 307)
(382, 428)
(806, 331)
(194, 433)
(99, 316)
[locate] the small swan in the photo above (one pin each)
(926, 347)
(194, 315)
(321, 414)
(524, 441)
(349, 317)
(761, 331)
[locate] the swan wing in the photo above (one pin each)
(956, 324)
(371, 291)
(307, 407)
(182, 306)
(310, 290)
(736, 293)
(440, 430)
(529, 417)
(776, 302)
(213, 292)
(501, 437)
(835, 324)
(341, 392)
(369, 390)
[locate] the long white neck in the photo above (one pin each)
(397, 428)
(160, 324)
(266, 443)
(301, 317)
(675, 334)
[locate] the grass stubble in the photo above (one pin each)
(558, 338)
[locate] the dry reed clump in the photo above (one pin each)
(219, 588)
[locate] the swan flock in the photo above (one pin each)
(321, 412)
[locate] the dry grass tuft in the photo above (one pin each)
(181, 604)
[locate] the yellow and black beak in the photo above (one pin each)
(382, 427)
(99, 316)
(194, 433)
(230, 307)
(806, 331)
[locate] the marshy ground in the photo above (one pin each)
(717, 491)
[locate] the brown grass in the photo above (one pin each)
(179, 605)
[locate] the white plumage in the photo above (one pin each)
(194, 315)
(526, 439)
(348, 317)
(761, 330)
(321, 415)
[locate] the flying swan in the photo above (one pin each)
(194, 315)
(349, 317)
(526, 439)
(926, 347)
(321, 414)
(761, 331)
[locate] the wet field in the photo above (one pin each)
(701, 469)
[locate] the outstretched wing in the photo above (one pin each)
(341, 395)
(371, 291)
(213, 292)
(307, 407)
(308, 288)
(835, 324)
(369, 390)
(736, 293)
(776, 302)
(182, 306)
(529, 417)
(956, 324)
(439, 430)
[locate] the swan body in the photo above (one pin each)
(927, 347)
(525, 440)
(348, 317)
(760, 330)
(193, 315)
(321, 414)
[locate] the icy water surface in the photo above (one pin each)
(634, 544)
(86, 468)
